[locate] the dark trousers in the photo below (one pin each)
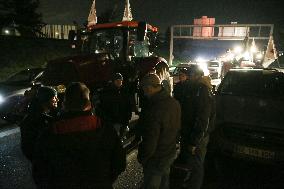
(157, 174)
(195, 163)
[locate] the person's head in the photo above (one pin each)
(151, 84)
(77, 97)
(183, 74)
(117, 80)
(47, 98)
(195, 72)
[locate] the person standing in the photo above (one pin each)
(198, 119)
(81, 151)
(40, 114)
(159, 126)
(116, 104)
(179, 88)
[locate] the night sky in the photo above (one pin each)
(164, 13)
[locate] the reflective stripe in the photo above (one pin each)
(77, 124)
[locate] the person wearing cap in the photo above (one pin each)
(81, 151)
(116, 105)
(158, 126)
(198, 114)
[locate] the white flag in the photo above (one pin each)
(92, 19)
(127, 15)
(270, 54)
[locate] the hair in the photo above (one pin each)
(76, 97)
(195, 70)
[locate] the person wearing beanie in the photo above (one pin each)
(116, 104)
(81, 151)
(198, 115)
(158, 125)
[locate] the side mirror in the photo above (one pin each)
(141, 31)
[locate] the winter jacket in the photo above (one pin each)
(198, 112)
(179, 91)
(159, 125)
(31, 127)
(116, 105)
(79, 152)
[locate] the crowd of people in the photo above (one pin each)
(77, 142)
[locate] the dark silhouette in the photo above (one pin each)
(80, 151)
(159, 126)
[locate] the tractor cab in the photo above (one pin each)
(121, 40)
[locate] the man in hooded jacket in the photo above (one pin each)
(198, 115)
(159, 126)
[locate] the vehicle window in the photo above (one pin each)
(107, 41)
(138, 48)
(253, 84)
(177, 70)
(20, 77)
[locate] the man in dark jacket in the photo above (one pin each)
(116, 104)
(80, 151)
(159, 127)
(198, 118)
(179, 88)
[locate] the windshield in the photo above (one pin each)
(112, 41)
(106, 41)
(138, 48)
(255, 83)
(24, 76)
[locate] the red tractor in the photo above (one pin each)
(126, 47)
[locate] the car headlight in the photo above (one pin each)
(1, 99)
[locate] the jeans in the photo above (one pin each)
(156, 174)
(194, 177)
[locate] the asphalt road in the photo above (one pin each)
(221, 172)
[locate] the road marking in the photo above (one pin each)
(9, 132)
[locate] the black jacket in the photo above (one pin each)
(198, 113)
(179, 91)
(159, 125)
(31, 127)
(79, 152)
(116, 105)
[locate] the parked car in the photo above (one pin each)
(12, 89)
(187, 65)
(215, 69)
(250, 115)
